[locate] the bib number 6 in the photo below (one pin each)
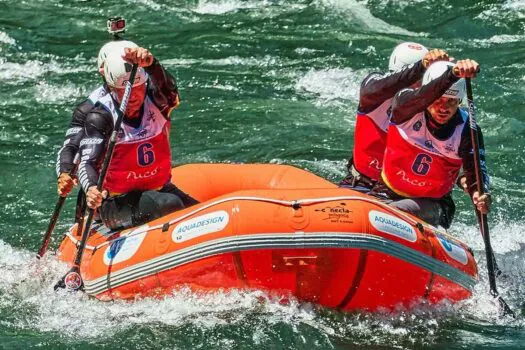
(145, 155)
(421, 165)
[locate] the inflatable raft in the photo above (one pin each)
(282, 230)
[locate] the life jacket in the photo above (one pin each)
(141, 158)
(370, 140)
(416, 164)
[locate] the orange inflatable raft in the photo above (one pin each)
(283, 230)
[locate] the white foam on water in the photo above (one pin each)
(498, 39)
(77, 315)
(505, 236)
(331, 86)
(165, 6)
(53, 94)
(500, 14)
(214, 7)
(402, 4)
(264, 61)
(6, 39)
(359, 13)
(20, 72)
(223, 87)
(12, 262)
(26, 281)
(305, 51)
(148, 3)
(515, 4)
(33, 69)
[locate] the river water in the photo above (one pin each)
(271, 81)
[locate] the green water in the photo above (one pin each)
(270, 81)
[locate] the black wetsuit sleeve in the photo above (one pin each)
(409, 102)
(163, 87)
(466, 152)
(97, 131)
(376, 88)
(66, 154)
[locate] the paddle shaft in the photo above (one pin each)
(53, 221)
(105, 165)
(51, 227)
(483, 222)
(80, 209)
(480, 188)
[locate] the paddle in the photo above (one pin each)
(72, 280)
(484, 227)
(53, 221)
(51, 227)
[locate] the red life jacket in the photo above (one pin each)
(416, 164)
(142, 157)
(370, 140)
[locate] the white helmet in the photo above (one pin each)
(113, 46)
(457, 90)
(405, 54)
(117, 71)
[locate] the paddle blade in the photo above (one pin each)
(72, 281)
(505, 308)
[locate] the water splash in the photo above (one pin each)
(214, 7)
(236, 61)
(497, 39)
(331, 86)
(500, 14)
(6, 39)
(15, 73)
(52, 94)
(361, 16)
(27, 283)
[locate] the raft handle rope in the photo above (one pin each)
(134, 231)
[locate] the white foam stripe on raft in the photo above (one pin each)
(279, 241)
(466, 281)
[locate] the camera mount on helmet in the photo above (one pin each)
(116, 26)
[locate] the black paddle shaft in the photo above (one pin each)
(53, 221)
(51, 227)
(484, 227)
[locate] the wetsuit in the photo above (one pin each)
(372, 120)
(66, 154)
(423, 159)
(139, 174)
